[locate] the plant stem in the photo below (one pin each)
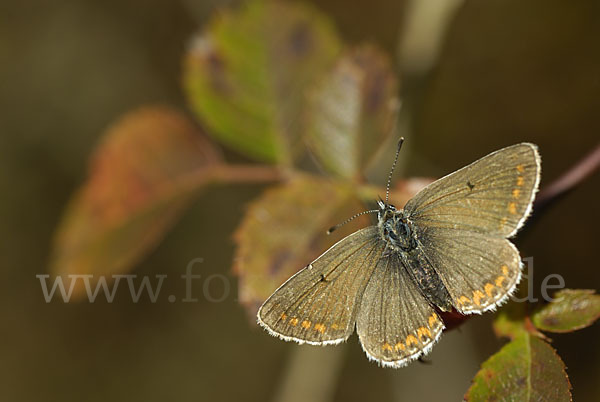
(250, 173)
(311, 374)
(570, 179)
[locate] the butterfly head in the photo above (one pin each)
(386, 210)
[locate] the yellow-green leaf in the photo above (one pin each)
(526, 369)
(246, 75)
(285, 229)
(352, 111)
(145, 170)
(510, 320)
(571, 310)
(513, 319)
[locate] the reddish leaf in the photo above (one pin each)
(143, 173)
(403, 190)
(453, 319)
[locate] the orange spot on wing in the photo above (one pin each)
(520, 181)
(306, 324)
(294, 322)
(320, 328)
(499, 281)
(432, 320)
(387, 346)
(488, 289)
(520, 168)
(516, 192)
(411, 339)
(283, 316)
(399, 346)
(423, 331)
(477, 296)
(512, 208)
(505, 270)
(463, 300)
(334, 326)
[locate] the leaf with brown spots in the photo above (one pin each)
(247, 74)
(285, 229)
(571, 310)
(352, 111)
(144, 172)
(525, 369)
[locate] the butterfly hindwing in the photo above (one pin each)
(395, 323)
(493, 195)
(479, 271)
(318, 304)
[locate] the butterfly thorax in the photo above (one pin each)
(396, 230)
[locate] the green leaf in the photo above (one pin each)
(513, 319)
(145, 171)
(352, 111)
(246, 76)
(525, 369)
(571, 310)
(510, 320)
(285, 229)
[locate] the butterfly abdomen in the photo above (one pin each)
(429, 282)
(402, 243)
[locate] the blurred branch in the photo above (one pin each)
(250, 173)
(420, 40)
(569, 180)
(423, 31)
(311, 374)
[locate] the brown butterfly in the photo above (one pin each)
(446, 249)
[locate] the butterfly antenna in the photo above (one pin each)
(389, 182)
(339, 225)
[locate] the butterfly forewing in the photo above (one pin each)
(492, 195)
(318, 304)
(395, 323)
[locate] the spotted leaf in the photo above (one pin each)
(570, 310)
(246, 75)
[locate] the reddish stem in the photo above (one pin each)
(247, 173)
(570, 179)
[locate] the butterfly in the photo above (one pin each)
(447, 249)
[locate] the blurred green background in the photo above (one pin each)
(508, 71)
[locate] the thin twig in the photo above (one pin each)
(247, 173)
(569, 180)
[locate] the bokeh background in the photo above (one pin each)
(507, 71)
